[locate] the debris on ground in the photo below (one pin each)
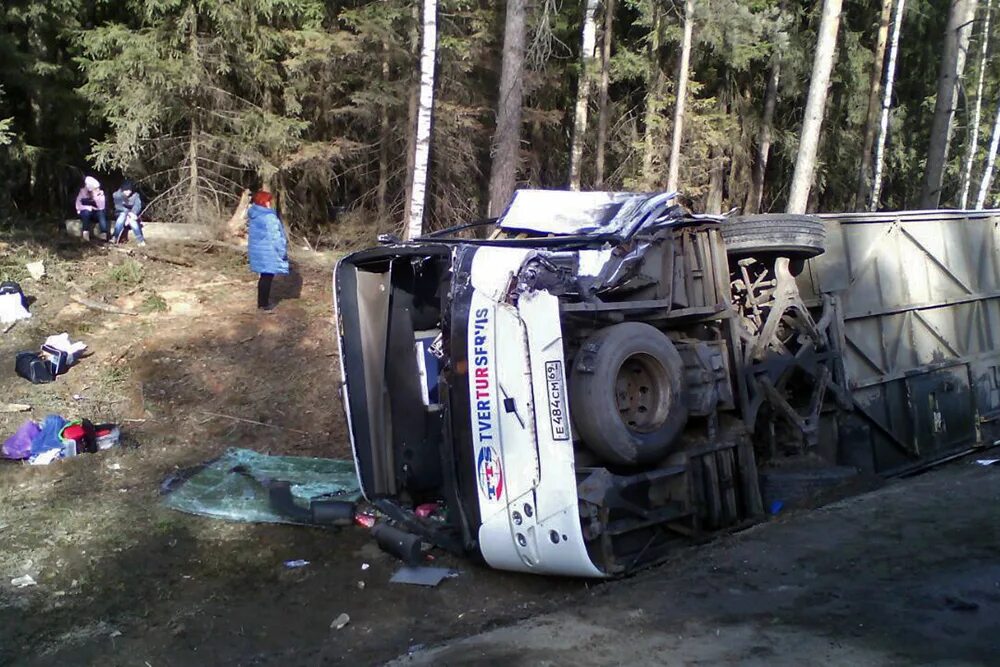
(426, 510)
(340, 622)
(23, 581)
(293, 564)
(14, 407)
(13, 304)
(241, 485)
(36, 269)
(405, 546)
(987, 462)
(56, 438)
(365, 519)
(421, 575)
(57, 354)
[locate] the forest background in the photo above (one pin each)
(318, 102)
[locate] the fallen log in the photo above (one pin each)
(169, 260)
(97, 305)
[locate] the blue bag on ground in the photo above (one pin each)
(48, 437)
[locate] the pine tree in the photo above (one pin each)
(805, 161)
(185, 89)
(956, 43)
(507, 137)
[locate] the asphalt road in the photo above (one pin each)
(906, 575)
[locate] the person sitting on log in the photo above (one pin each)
(128, 206)
(90, 206)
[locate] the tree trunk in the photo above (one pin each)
(977, 113)
(602, 115)
(412, 107)
(956, 41)
(963, 51)
(805, 160)
(382, 189)
(871, 117)
(984, 185)
(421, 156)
(673, 172)
(193, 195)
(716, 177)
(883, 131)
(507, 138)
(653, 87)
(756, 193)
(588, 44)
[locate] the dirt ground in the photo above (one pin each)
(122, 580)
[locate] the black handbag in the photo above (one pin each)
(32, 367)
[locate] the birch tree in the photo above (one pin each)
(682, 79)
(987, 181)
(602, 108)
(805, 160)
(422, 149)
(871, 117)
(956, 42)
(977, 113)
(890, 78)
(507, 136)
(588, 43)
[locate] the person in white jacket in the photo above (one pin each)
(90, 206)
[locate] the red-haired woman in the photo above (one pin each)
(267, 246)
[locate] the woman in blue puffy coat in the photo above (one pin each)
(267, 246)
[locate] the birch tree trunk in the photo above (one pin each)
(507, 138)
(883, 131)
(588, 45)
(977, 113)
(424, 117)
(412, 108)
(805, 160)
(602, 114)
(984, 185)
(673, 172)
(956, 41)
(871, 117)
(756, 193)
(653, 87)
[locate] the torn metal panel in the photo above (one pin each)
(571, 213)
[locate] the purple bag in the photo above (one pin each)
(18, 446)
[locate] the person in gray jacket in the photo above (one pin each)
(128, 206)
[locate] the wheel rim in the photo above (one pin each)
(642, 393)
